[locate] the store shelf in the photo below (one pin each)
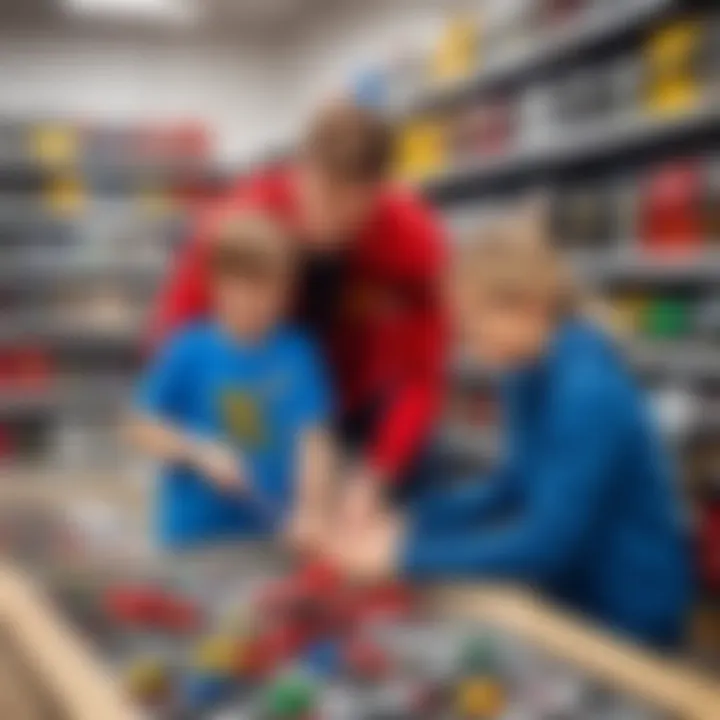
(38, 274)
(37, 331)
(682, 359)
(609, 138)
(700, 268)
(113, 174)
(63, 396)
(603, 22)
(20, 211)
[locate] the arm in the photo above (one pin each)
(417, 400)
(160, 440)
(487, 497)
(316, 461)
(156, 425)
(571, 480)
(315, 472)
(169, 444)
(470, 504)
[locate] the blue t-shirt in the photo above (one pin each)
(256, 398)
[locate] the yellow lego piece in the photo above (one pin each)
(627, 313)
(481, 698)
(217, 654)
(145, 678)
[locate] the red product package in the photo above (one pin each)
(670, 218)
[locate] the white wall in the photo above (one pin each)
(231, 87)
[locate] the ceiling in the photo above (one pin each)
(218, 16)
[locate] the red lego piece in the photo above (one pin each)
(390, 600)
(149, 607)
(321, 577)
(131, 605)
(178, 615)
(366, 660)
(267, 652)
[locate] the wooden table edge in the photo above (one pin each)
(76, 681)
(666, 684)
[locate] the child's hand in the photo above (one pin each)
(306, 531)
(373, 555)
(362, 500)
(221, 466)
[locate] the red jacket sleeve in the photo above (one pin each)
(412, 412)
(416, 404)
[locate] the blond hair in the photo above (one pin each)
(248, 227)
(254, 233)
(512, 256)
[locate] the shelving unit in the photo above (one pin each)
(85, 237)
(576, 147)
(605, 23)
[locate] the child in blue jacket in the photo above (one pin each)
(235, 407)
(585, 506)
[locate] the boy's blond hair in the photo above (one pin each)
(252, 230)
(514, 255)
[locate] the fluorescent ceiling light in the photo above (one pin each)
(170, 10)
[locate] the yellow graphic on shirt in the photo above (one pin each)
(243, 417)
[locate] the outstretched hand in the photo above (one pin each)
(221, 466)
(371, 555)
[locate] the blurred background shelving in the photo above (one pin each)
(89, 218)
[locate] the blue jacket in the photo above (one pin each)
(586, 507)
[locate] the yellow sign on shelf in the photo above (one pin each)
(54, 144)
(673, 96)
(674, 46)
(457, 53)
(421, 149)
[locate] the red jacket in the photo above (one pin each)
(391, 340)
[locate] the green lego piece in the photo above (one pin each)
(290, 698)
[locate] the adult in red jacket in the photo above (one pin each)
(372, 258)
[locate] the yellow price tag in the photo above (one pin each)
(674, 46)
(54, 144)
(673, 96)
(457, 53)
(421, 150)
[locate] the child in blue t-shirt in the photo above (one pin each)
(235, 407)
